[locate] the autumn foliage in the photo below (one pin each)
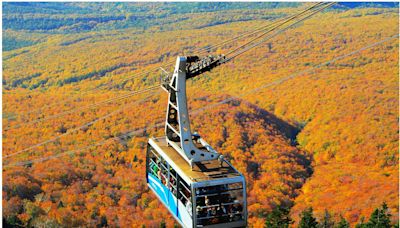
(326, 139)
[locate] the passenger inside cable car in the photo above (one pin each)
(219, 204)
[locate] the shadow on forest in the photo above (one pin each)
(280, 126)
(284, 128)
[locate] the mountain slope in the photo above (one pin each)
(326, 138)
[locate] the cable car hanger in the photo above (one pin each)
(190, 146)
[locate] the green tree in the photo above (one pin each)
(343, 223)
(163, 224)
(307, 219)
(327, 221)
(279, 217)
(380, 217)
(361, 224)
(103, 221)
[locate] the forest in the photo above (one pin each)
(318, 149)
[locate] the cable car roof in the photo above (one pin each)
(205, 171)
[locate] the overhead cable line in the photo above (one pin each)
(296, 74)
(86, 125)
(83, 93)
(201, 50)
(102, 142)
(47, 141)
(290, 18)
(118, 98)
(260, 29)
(311, 13)
(113, 99)
(276, 82)
(207, 48)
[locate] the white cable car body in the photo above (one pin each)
(193, 181)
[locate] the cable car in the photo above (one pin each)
(198, 186)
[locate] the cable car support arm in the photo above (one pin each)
(177, 125)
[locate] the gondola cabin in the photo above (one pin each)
(212, 194)
(197, 185)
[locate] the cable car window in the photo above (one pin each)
(184, 195)
(163, 173)
(219, 204)
(154, 161)
(159, 167)
(172, 183)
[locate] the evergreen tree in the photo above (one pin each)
(103, 221)
(361, 224)
(307, 219)
(279, 217)
(163, 224)
(380, 217)
(343, 223)
(327, 221)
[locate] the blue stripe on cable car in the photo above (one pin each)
(165, 195)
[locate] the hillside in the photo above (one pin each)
(327, 138)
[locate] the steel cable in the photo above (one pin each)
(88, 124)
(274, 34)
(202, 50)
(130, 94)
